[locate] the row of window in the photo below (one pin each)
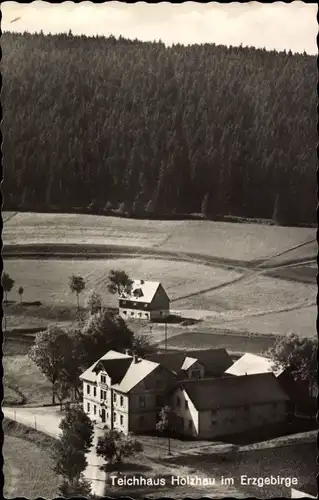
(141, 417)
(123, 303)
(140, 314)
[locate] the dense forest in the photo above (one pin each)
(106, 124)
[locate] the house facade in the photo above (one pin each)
(209, 408)
(146, 300)
(125, 392)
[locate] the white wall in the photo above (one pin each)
(187, 411)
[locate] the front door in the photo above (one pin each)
(103, 415)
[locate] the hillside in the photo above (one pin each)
(140, 127)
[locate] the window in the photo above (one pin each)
(186, 405)
(103, 379)
(124, 312)
(158, 400)
(190, 425)
(134, 304)
(94, 391)
(114, 397)
(142, 401)
(121, 419)
(178, 401)
(103, 394)
(195, 374)
(145, 305)
(140, 314)
(132, 312)
(141, 420)
(114, 416)
(121, 400)
(94, 409)
(88, 388)
(88, 407)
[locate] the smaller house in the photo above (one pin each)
(195, 364)
(144, 300)
(213, 407)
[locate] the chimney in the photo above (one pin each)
(135, 358)
(128, 352)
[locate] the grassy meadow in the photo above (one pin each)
(225, 240)
(27, 465)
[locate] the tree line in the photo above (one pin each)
(136, 128)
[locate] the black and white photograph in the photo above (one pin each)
(159, 249)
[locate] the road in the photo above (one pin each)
(47, 420)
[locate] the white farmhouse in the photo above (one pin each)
(145, 300)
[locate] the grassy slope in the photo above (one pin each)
(217, 239)
(22, 377)
(27, 464)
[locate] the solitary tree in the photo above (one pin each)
(78, 428)
(7, 284)
(70, 463)
(114, 445)
(167, 423)
(49, 353)
(204, 208)
(118, 281)
(77, 285)
(142, 345)
(101, 332)
(93, 301)
(298, 355)
(20, 292)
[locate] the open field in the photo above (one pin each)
(301, 321)
(47, 280)
(304, 252)
(27, 470)
(22, 378)
(236, 343)
(254, 294)
(303, 273)
(216, 239)
(27, 465)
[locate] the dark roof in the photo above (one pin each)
(229, 392)
(115, 368)
(216, 361)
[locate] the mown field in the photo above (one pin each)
(27, 465)
(47, 280)
(240, 242)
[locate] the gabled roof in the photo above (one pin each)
(230, 392)
(115, 368)
(141, 291)
(216, 361)
(251, 364)
(136, 372)
(125, 372)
